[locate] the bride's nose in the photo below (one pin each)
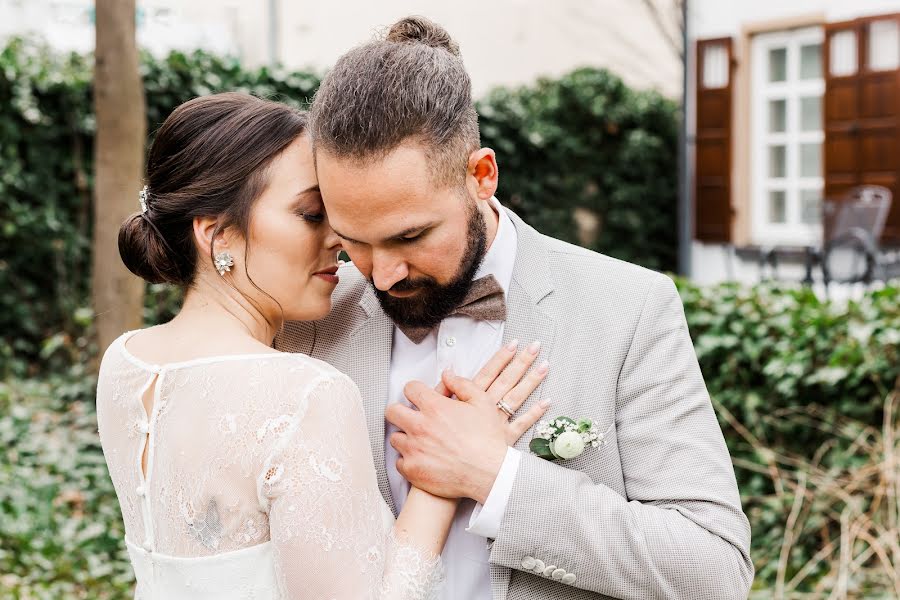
(332, 241)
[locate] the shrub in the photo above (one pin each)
(800, 387)
(586, 142)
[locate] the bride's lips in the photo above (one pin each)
(329, 274)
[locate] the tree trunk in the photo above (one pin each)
(119, 163)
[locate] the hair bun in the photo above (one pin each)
(146, 254)
(423, 31)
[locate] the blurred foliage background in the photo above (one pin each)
(805, 390)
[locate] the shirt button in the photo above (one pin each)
(528, 563)
(139, 490)
(148, 546)
(569, 578)
(450, 341)
(549, 570)
(558, 574)
(539, 566)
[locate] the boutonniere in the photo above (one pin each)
(563, 438)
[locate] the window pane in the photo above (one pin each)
(811, 207)
(715, 66)
(778, 64)
(810, 160)
(811, 113)
(777, 161)
(777, 116)
(811, 61)
(777, 207)
(884, 46)
(843, 53)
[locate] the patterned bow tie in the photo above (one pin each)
(485, 302)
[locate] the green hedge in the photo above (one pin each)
(585, 141)
(588, 141)
(800, 386)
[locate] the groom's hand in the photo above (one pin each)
(455, 448)
(447, 447)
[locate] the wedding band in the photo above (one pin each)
(505, 408)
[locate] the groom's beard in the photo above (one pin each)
(433, 301)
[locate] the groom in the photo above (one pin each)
(653, 512)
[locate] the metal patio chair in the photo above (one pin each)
(853, 226)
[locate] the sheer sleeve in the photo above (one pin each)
(331, 530)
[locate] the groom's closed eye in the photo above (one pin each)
(408, 235)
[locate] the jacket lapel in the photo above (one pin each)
(370, 363)
(527, 321)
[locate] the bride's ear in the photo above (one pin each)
(204, 230)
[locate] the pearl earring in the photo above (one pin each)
(224, 262)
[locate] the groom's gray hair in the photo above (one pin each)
(409, 86)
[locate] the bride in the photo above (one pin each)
(243, 472)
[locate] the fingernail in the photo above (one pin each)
(543, 368)
(513, 345)
(533, 347)
(449, 370)
(545, 403)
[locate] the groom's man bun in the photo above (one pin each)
(423, 31)
(409, 85)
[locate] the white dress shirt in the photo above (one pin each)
(464, 344)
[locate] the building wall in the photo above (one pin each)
(741, 21)
(718, 18)
(503, 42)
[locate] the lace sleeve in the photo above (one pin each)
(330, 527)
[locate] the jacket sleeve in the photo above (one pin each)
(679, 532)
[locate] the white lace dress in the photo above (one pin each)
(260, 482)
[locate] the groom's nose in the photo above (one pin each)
(387, 270)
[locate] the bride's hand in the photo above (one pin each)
(504, 378)
(455, 448)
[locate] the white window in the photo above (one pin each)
(787, 131)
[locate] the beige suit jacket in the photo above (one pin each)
(654, 513)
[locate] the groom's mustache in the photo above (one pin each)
(409, 285)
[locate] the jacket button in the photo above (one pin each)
(558, 574)
(539, 567)
(569, 578)
(528, 563)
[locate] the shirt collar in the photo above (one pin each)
(500, 258)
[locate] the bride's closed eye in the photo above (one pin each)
(313, 217)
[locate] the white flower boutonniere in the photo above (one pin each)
(563, 438)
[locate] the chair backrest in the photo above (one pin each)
(865, 207)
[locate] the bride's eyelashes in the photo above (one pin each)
(314, 218)
(311, 215)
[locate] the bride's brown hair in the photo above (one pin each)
(208, 159)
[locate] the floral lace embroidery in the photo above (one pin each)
(245, 452)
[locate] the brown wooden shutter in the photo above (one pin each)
(712, 191)
(862, 123)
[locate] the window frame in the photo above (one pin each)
(793, 89)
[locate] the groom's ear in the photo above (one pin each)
(482, 173)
